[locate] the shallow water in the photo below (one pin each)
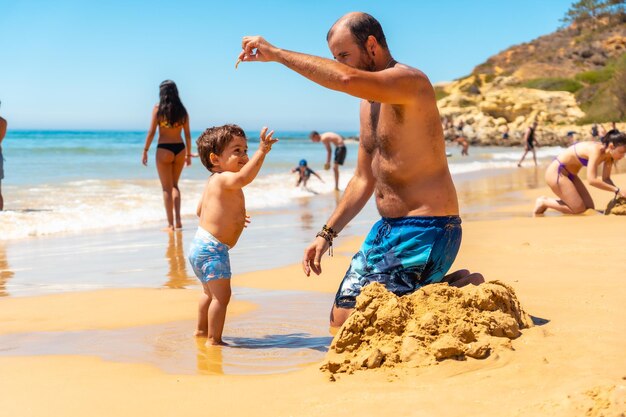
(289, 330)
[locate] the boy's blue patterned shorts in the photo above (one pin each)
(403, 254)
(209, 257)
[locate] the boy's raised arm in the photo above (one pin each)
(250, 170)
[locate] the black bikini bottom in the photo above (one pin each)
(174, 148)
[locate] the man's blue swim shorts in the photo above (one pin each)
(209, 257)
(403, 254)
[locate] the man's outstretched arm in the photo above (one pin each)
(392, 85)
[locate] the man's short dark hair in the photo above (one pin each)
(214, 140)
(361, 26)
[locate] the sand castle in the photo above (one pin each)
(435, 323)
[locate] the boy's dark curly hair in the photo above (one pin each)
(214, 140)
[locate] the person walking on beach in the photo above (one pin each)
(3, 132)
(401, 160)
(171, 118)
(341, 151)
(224, 152)
(531, 142)
(562, 174)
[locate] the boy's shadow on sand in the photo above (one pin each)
(282, 341)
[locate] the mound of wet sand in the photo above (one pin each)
(616, 206)
(436, 322)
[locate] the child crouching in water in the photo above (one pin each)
(223, 151)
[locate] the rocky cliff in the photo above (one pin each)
(564, 80)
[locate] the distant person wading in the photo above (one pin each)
(171, 118)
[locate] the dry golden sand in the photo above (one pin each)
(568, 271)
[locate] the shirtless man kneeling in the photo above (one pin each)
(401, 160)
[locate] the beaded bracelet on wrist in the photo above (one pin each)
(328, 234)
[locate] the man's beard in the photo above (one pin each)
(366, 63)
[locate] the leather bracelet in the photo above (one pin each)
(330, 230)
(328, 238)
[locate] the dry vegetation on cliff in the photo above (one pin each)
(572, 77)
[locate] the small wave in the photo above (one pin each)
(92, 204)
(544, 152)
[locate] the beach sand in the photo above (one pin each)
(567, 272)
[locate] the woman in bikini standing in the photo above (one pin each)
(562, 174)
(170, 117)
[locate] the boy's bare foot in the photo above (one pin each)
(169, 228)
(540, 207)
(201, 333)
(212, 342)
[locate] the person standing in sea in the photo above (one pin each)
(401, 160)
(341, 151)
(171, 118)
(3, 132)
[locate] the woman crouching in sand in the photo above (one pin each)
(562, 174)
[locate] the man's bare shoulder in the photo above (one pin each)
(3, 121)
(412, 72)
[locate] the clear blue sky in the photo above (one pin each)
(97, 64)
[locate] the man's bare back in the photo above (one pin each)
(328, 138)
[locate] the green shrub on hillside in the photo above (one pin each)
(553, 84)
(440, 93)
(605, 100)
(595, 77)
(466, 103)
(601, 108)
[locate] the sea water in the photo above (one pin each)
(74, 181)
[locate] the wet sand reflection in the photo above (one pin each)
(210, 358)
(177, 276)
(5, 270)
